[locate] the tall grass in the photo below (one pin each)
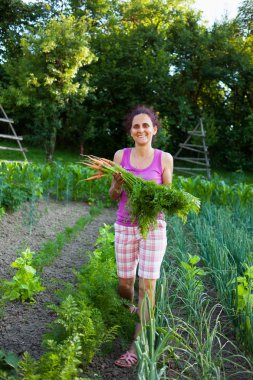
(227, 247)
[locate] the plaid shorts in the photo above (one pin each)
(132, 249)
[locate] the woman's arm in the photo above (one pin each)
(167, 165)
(116, 186)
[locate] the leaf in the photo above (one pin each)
(2, 354)
(248, 324)
(186, 266)
(23, 286)
(240, 279)
(249, 272)
(18, 263)
(194, 259)
(29, 269)
(200, 272)
(241, 290)
(12, 359)
(13, 295)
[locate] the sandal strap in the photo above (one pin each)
(129, 358)
(133, 309)
(129, 355)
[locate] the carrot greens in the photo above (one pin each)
(146, 199)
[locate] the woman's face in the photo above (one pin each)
(142, 129)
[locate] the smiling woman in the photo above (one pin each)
(142, 132)
(131, 247)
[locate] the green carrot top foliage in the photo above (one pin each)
(146, 199)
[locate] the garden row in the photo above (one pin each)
(226, 242)
(87, 315)
(27, 181)
(193, 332)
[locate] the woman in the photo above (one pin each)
(130, 248)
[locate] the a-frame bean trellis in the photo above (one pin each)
(13, 136)
(196, 159)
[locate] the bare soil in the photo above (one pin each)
(22, 325)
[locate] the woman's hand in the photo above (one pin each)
(118, 179)
(116, 187)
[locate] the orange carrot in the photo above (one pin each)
(111, 163)
(92, 166)
(99, 161)
(97, 176)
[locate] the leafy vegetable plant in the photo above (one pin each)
(193, 272)
(243, 303)
(244, 290)
(25, 283)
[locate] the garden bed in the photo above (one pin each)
(23, 324)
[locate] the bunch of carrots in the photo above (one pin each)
(146, 199)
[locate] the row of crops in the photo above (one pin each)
(225, 238)
(21, 182)
(202, 326)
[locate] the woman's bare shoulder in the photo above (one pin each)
(167, 158)
(118, 156)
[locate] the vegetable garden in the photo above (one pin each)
(70, 71)
(61, 317)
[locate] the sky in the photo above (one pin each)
(215, 9)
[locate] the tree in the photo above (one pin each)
(44, 77)
(133, 67)
(245, 17)
(16, 17)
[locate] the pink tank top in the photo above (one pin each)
(152, 172)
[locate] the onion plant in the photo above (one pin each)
(153, 345)
(226, 248)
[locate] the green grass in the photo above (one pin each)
(36, 154)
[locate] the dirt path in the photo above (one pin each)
(23, 324)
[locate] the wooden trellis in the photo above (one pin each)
(200, 161)
(13, 136)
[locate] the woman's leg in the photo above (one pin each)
(146, 286)
(151, 252)
(126, 288)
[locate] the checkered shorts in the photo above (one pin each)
(132, 249)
